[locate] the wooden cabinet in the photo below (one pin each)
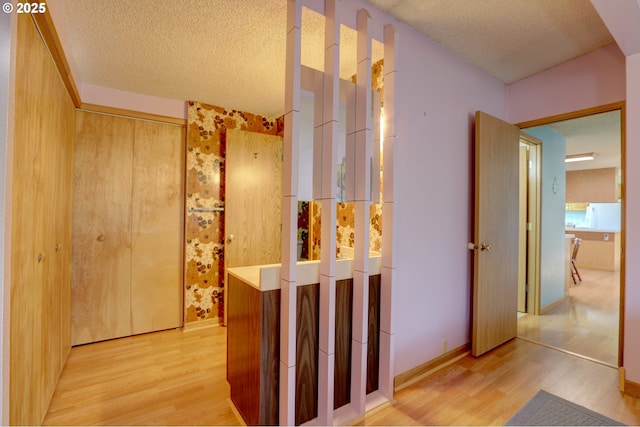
(599, 250)
(592, 185)
(127, 222)
(39, 156)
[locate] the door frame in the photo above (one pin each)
(621, 106)
(534, 192)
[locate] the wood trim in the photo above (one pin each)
(620, 105)
(623, 228)
(631, 388)
(49, 35)
(121, 112)
(201, 324)
(572, 115)
(412, 375)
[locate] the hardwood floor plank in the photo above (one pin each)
(585, 323)
(179, 378)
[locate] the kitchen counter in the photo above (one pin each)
(599, 250)
(588, 229)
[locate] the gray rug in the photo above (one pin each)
(546, 409)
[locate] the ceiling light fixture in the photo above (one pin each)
(579, 157)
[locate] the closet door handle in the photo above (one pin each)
(100, 238)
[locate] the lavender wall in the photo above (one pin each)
(439, 94)
(632, 200)
(596, 78)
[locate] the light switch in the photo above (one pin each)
(606, 236)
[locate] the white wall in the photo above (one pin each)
(552, 221)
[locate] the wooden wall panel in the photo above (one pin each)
(307, 312)
(342, 361)
(592, 185)
(253, 349)
(40, 235)
(373, 337)
(243, 348)
(253, 181)
(270, 357)
(101, 297)
(157, 224)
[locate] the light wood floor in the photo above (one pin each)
(163, 378)
(586, 322)
(178, 378)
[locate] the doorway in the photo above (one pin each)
(582, 317)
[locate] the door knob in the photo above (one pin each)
(485, 247)
(100, 238)
(231, 238)
(472, 246)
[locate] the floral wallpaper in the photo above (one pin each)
(204, 230)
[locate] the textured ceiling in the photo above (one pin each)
(232, 52)
(598, 133)
(510, 39)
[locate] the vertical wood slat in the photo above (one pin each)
(373, 334)
(307, 332)
(330, 113)
(362, 213)
(252, 351)
(342, 372)
(387, 291)
(287, 398)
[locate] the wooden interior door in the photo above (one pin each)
(157, 224)
(101, 285)
(495, 278)
(253, 191)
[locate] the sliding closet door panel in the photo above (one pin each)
(157, 224)
(101, 285)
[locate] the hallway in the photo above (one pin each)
(585, 323)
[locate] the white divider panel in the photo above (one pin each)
(387, 297)
(290, 215)
(330, 113)
(363, 143)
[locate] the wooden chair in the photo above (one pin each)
(574, 255)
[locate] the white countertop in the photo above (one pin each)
(267, 277)
(594, 230)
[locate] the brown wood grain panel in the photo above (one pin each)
(40, 234)
(243, 348)
(342, 361)
(592, 185)
(373, 336)
(157, 219)
(253, 170)
(101, 299)
(253, 351)
(307, 320)
(270, 358)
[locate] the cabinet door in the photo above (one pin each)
(592, 185)
(157, 224)
(101, 298)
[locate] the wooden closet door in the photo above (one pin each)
(101, 299)
(157, 224)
